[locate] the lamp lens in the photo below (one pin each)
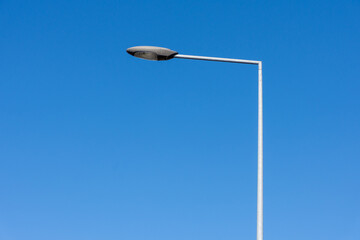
(146, 55)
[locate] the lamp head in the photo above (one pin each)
(151, 53)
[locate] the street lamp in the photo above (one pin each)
(159, 54)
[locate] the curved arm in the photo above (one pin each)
(216, 59)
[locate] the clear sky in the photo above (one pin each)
(96, 144)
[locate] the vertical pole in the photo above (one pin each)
(260, 210)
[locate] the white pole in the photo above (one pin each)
(260, 209)
(216, 59)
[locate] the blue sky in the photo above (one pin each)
(96, 144)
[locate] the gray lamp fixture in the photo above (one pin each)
(152, 53)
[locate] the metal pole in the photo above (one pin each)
(216, 59)
(260, 209)
(260, 189)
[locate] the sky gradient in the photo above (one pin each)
(96, 144)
